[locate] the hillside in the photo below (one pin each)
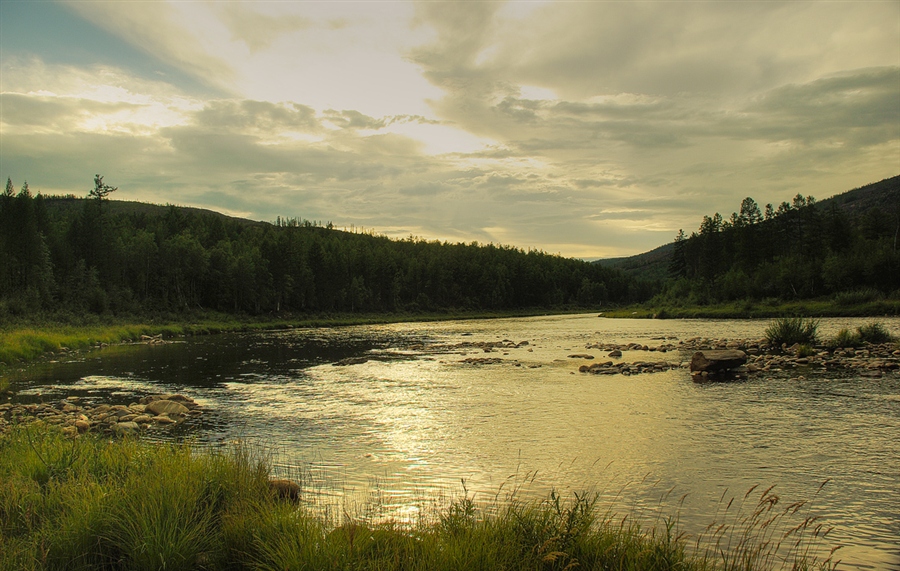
(67, 206)
(876, 199)
(65, 254)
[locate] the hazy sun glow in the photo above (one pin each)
(592, 129)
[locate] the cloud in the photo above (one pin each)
(587, 128)
(259, 117)
(163, 30)
(255, 29)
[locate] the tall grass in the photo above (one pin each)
(791, 330)
(874, 332)
(91, 504)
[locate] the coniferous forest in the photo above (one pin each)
(71, 255)
(845, 247)
(95, 255)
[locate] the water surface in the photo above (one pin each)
(415, 419)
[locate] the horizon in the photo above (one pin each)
(593, 130)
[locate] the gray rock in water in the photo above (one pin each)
(126, 428)
(166, 407)
(713, 361)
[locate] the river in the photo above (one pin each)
(414, 421)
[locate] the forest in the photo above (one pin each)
(845, 247)
(95, 255)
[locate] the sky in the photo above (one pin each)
(589, 129)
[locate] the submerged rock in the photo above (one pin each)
(715, 361)
(350, 361)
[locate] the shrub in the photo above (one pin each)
(874, 332)
(845, 338)
(857, 297)
(791, 330)
(805, 351)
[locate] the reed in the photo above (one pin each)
(92, 503)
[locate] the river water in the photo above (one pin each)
(414, 421)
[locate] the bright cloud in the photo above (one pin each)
(590, 128)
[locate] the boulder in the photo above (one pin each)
(122, 428)
(167, 407)
(713, 361)
(285, 489)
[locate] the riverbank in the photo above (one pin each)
(765, 309)
(26, 340)
(93, 503)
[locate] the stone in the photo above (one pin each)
(126, 427)
(360, 360)
(717, 360)
(285, 489)
(614, 353)
(167, 407)
(82, 426)
(581, 356)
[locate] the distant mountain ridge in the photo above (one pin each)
(653, 265)
(71, 205)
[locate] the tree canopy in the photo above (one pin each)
(66, 253)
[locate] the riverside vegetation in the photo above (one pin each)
(837, 257)
(93, 503)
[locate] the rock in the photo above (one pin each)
(614, 353)
(717, 360)
(82, 426)
(162, 419)
(167, 407)
(581, 356)
(352, 361)
(285, 489)
(123, 428)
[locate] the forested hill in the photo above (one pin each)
(102, 256)
(848, 244)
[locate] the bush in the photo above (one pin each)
(857, 297)
(805, 351)
(874, 332)
(791, 330)
(845, 338)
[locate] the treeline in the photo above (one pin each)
(798, 250)
(83, 255)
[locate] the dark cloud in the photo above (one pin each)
(256, 116)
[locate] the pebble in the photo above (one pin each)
(108, 419)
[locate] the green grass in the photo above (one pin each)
(874, 332)
(792, 330)
(763, 309)
(128, 504)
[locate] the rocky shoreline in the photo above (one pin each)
(151, 413)
(872, 360)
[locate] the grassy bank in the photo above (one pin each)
(128, 504)
(762, 309)
(28, 339)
